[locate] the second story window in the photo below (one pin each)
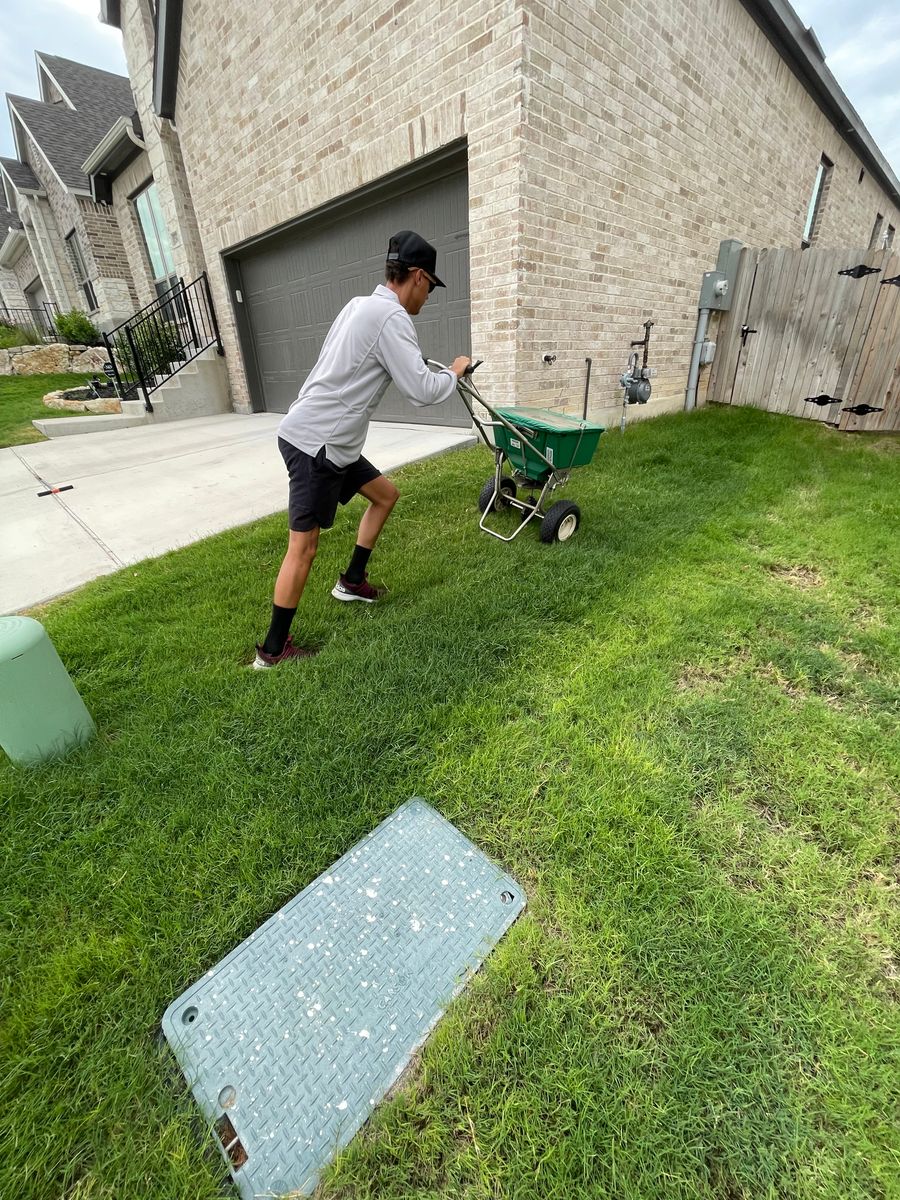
(817, 200)
(79, 269)
(888, 242)
(875, 239)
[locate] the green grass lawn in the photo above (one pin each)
(21, 402)
(677, 730)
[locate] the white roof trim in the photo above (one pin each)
(42, 66)
(65, 187)
(18, 188)
(14, 246)
(121, 130)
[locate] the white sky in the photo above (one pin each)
(861, 42)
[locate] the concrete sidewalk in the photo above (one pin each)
(140, 492)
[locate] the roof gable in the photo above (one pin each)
(66, 136)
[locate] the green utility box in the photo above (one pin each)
(566, 441)
(41, 714)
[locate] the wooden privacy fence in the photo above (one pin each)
(799, 329)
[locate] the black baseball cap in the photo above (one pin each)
(410, 250)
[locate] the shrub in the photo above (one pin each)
(158, 343)
(77, 330)
(11, 335)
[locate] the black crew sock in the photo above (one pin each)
(356, 572)
(278, 630)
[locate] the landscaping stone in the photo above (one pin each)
(51, 358)
(87, 405)
(90, 358)
(40, 360)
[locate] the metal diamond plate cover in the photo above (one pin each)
(294, 1037)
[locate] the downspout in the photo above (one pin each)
(690, 395)
(166, 56)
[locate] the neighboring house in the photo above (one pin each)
(72, 253)
(576, 165)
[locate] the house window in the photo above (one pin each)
(79, 268)
(814, 212)
(888, 238)
(876, 232)
(156, 238)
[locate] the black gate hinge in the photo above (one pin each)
(821, 400)
(861, 410)
(895, 280)
(859, 271)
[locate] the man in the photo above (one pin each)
(372, 342)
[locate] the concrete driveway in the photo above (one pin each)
(140, 492)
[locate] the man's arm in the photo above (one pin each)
(398, 352)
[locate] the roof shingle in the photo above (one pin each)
(21, 174)
(66, 136)
(8, 221)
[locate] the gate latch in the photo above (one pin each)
(745, 333)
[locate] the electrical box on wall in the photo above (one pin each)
(717, 288)
(714, 291)
(707, 353)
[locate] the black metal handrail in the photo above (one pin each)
(162, 338)
(37, 321)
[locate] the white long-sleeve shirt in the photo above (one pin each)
(371, 342)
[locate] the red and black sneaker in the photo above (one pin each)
(263, 660)
(343, 590)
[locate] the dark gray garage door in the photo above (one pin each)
(295, 283)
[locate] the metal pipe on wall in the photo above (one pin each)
(690, 395)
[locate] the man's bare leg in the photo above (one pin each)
(382, 496)
(289, 585)
(295, 567)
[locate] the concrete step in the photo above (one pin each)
(200, 389)
(58, 427)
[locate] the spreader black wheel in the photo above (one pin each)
(561, 521)
(507, 492)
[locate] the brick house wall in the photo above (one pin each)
(277, 117)
(133, 178)
(11, 293)
(25, 270)
(610, 149)
(107, 259)
(651, 136)
(162, 142)
(100, 241)
(48, 221)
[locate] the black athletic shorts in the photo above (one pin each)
(318, 486)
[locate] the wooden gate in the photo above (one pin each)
(798, 329)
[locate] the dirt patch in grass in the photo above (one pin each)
(706, 677)
(861, 920)
(771, 674)
(798, 576)
(695, 678)
(769, 816)
(866, 617)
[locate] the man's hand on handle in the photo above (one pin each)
(459, 365)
